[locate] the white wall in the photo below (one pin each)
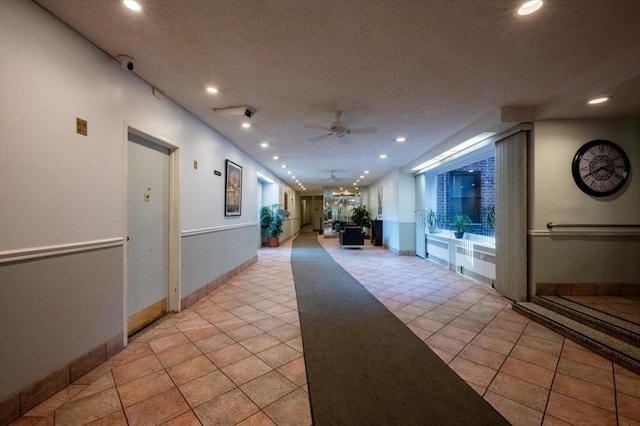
(60, 189)
(577, 256)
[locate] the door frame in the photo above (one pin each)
(174, 290)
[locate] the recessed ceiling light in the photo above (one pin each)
(383, 156)
(357, 180)
(340, 189)
(354, 184)
(529, 7)
(212, 90)
(264, 145)
(297, 181)
(133, 5)
(366, 171)
(284, 166)
(293, 177)
(275, 157)
(361, 177)
(598, 100)
(289, 172)
(401, 139)
(246, 125)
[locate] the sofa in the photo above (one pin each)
(351, 236)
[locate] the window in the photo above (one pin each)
(468, 190)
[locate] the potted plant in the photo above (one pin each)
(491, 217)
(360, 216)
(271, 221)
(460, 223)
(432, 219)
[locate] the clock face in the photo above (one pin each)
(600, 168)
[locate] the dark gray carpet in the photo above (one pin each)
(364, 366)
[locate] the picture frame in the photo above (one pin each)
(286, 201)
(379, 202)
(233, 189)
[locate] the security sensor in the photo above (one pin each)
(127, 62)
(245, 110)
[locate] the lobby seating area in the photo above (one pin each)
(351, 236)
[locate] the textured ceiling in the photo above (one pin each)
(432, 71)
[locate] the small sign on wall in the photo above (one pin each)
(81, 126)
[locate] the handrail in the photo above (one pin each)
(552, 225)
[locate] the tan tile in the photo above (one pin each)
(584, 391)
(187, 419)
(190, 369)
(258, 419)
(500, 333)
(624, 421)
(50, 405)
(427, 324)
(528, 372)
(482, 356)
(538, 330)
(163, 343)
(278, 355)
(295, 371)
(213, 343)
(243, 333)
(103, 383)
(628, 406)
(628, 385)
(144, 388)
(158, 409)
(268, 388)
(620, 370)
(228, 409)
(420, 332)
(468, 324)
(497, 345)
(269, 323)
(472, 372)
(445, 343)
(245, 370)
(520, 391)
(535, 357)
(202, 332)
(457, 333)
(88, 409)
(586, 372)
(295, 343)
(205, 388)
(114, 419)
(542, 345)
(577, 412)
(517, 414)
(178, 354)
(228, 355)
(259, 343)
(135, 369)
(292, 409)
(586, 356)
(552, 421)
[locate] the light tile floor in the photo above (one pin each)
(236, 358)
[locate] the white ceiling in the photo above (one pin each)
(433, 71)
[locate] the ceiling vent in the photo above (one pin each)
(242, 110)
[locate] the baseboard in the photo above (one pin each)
(587, 289)
(217, 282)
(31, 396)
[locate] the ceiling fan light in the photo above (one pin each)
(529, 7)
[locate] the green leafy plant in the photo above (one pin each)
(460, 224)
(360, 216)
(491, 216)
(432, 218)
(272, 218)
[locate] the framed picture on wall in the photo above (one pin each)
(233, 189)
(286, 201)
(379, 202)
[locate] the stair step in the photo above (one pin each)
(606, 345)
(606, 323)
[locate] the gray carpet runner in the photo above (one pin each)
(364, 366)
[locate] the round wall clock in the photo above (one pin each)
(600, 168)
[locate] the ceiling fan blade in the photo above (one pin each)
(365, 131)
(319, 138)
(315, 126)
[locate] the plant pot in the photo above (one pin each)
(433, 229)
(458, 234)
(273, 241)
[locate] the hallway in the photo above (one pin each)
(236, 356)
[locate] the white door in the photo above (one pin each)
(148, 232)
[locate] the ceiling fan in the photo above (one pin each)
(332, 177)
(338, 129)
